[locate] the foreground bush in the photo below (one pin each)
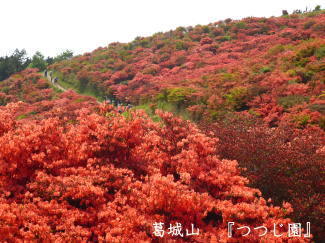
(109, 178)
(285, 163)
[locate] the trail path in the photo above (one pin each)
(53, 82)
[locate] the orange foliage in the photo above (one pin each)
(109, 178)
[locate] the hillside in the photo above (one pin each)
(75, 170)
(243, 141)
(272, 68)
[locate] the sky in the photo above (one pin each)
(52, 26)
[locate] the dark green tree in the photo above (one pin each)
(67, 54)
(317, 8)
(14, 63)
(38, 61)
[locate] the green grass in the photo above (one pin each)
(23, 116)
(71, 82)
(292, 100)
(165, 106)
(74, 84)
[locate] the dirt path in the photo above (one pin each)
(52, 79)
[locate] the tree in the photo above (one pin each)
(38, 61)
(50, 60)
(13, 63)
(64, 56)
(317, 8)
(285, 12)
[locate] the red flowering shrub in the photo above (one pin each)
(286, 164)
(109, 178)
(7, 121)
(28, 86)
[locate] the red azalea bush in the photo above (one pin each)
(28, 86)
(108, 178)
(285, 163)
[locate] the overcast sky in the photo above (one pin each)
(83, 25)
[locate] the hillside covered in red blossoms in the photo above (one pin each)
(232, 131)
(272, 68)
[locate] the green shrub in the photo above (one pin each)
(291, 100)
(175, 96)
(306, 52)
(218, 115)
(23, 116)
(206, 29)
(240, 25)
(5, 89)
(225, 38)
(150, 70)
(276, 50)
(265, 69)
(318, 107)
(181, 45)
(79, 100)
(311, 14)
(292, 81)
(181, 29)
(291, 72)
(306, 75)
(320, 52)
(301, 62)
(125, 55)
(309, 24)
(237, 98)
(302, 120)
(319, 27)
(228, 77)
(144, 43)
(302, 56)
(256, 90)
